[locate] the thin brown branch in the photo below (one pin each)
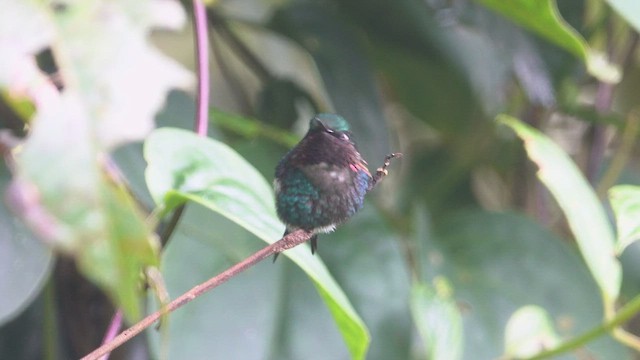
(294, 239)
(291, 240)
(382, 171)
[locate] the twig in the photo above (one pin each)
(382, 171)
(287, 242)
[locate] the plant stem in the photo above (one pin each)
(202, 53)
(112, 331)
(202, 100)
(291, 240)
(50, 323)
(623, 315)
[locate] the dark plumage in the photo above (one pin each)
(322, 181)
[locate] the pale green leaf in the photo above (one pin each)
(114, 82)
(583, 210)
(438, 320)
(529, 331)
(183, 166)
(625, 201)
(543, 18)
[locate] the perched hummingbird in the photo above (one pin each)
(322, 181)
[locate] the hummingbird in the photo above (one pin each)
(322, 181)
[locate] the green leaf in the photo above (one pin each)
(529, 330)
(543, 18)
(83, 215)
(625, 201)
(115, 259)
(367, 259)
(114, 81)
(628, 10)
(583, 210)
(438, 320)
(499, 262)
(25, 262)
(183, 166)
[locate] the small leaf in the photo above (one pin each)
(625, 201)
(529, 331)
(438, 320)
(583, 210)
(542, 17)
(183, 166)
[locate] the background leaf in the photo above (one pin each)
(500, 262)
(625, 201)
(25, 262)
(78, 121)
(579, 203)
(438, 320)
(344, 68)
(529, 330)
(543, 18)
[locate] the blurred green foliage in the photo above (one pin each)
(458, 238)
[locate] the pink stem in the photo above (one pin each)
(202, 51)
(112, 331)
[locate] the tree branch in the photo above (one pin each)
(294, 239)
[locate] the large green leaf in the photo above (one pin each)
(183, 166)
(113, 83)
(583, 210)
(543, 18)
(499, 262)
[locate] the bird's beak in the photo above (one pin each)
(316, 123)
